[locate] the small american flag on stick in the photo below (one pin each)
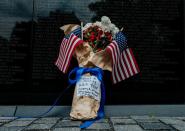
(124, 64)
(67, 48)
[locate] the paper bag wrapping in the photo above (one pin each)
(86, 107)
(87, 58)
(86, 99)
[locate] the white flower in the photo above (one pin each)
(105, 28)
(105, 25)
(87, 26)
(115, 31)
(112, 26)
(98, 23)
(105, 20)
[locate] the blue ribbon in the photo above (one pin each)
(79, 71)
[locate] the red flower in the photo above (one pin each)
(107, 33)
(109, 37)
(100, 32)
(98, 38)
(92, 33)
(92, 37)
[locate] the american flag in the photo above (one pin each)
(124, 64)
(67, 48)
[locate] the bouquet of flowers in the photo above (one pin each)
(96, 46)
(99, 34)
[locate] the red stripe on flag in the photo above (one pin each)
(110, 50)
(122, 76)
(123, 70)
(66, 51)
(135, 63)
(116, 69)
(130, 63)
(126, 63)
(62, 57)
(78, 43)
(62, 48)
(124, 66)
(113, 61)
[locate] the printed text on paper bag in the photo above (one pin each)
(89, 86)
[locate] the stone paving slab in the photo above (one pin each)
(17, 123)
(172, 121)
(6, 119)
(121, 123)
(37, 126)
(13, 128)
(102, 121)
(67, 123)
(127, 128)
(120, 117)
(154, 126)
(141, 117)
(179, 127)
(100, 126)
(26, 119)
(148, 120)
(181, 118)
(67, 129)
(47, 120)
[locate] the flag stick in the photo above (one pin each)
(81, 30)
(122, 29)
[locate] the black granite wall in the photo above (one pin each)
(30, 39)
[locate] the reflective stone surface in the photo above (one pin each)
(30, 39)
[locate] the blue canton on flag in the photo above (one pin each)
(121, 41)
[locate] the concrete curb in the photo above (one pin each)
(110, 110)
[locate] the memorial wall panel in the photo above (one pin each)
(30, 39)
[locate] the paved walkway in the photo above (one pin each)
(125, 123)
